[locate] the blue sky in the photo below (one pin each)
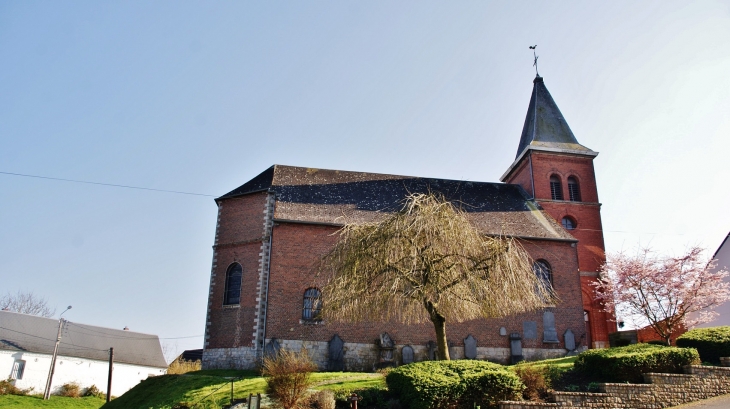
(201, 96)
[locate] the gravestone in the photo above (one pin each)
(529, 330)
(432, 350)
(470, 347)
(569, 340)
(550, 334)
(406, 355)
(515, 347)
(336, 360)
(386, 345)
(272, 348)
(503, 331)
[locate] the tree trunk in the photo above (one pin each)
(439, 324)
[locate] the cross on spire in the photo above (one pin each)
(534, 64)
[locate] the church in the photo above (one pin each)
(272, 230)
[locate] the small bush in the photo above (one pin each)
(627, 364)
(95, 392)
(535, 381)
(181, 366)
(465, 383)
(8, 388)
(324, 399)
(288, 377)
(70, 390)
(367, 398)
(712, 343)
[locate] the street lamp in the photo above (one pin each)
(61, 321)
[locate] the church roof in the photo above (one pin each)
(30, 333)
(336, 197)
(545, 127)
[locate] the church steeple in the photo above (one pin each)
(557, 173)
(545, 127)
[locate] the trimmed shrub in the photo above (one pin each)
(627, 364)
(376, 397)
(712, 343)
(462, 383)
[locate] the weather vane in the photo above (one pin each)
(532, 47)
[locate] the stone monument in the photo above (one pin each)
(336, 361)
(406, 355)
(470, 347)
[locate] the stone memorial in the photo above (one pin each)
(432, 350)
(406, 355)
(386, 345)
(515, 347)
(470, 347)
(550, 334)
(272, 348)
(529, 330)
(336, 361)
(569, 339)
(503, 331)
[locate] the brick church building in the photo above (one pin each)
(272, 230)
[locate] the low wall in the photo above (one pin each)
(660, 391)
(358, 357)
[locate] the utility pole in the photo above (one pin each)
(109, 382)
(47, 392)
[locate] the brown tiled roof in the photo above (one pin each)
(337, 197)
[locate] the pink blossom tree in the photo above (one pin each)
(663, 292)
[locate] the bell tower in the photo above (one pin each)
(558, 173)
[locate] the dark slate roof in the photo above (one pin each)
(545, 127)
(337, 197)
(22, 332)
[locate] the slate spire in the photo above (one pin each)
(545, 128)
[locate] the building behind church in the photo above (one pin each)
(272, 230)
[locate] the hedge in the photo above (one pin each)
(712, 343)
(461, 383)
(627, 364)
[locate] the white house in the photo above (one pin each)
(722, 255)
(27, 343)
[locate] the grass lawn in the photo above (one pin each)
(564, 363)
(212, 388)
(56, 402)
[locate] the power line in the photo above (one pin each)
(106, 184)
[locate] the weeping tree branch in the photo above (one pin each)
(427, 262)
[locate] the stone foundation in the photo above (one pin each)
(660, 391)
(358, 357)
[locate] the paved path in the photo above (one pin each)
(718, 402)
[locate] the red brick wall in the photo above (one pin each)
(297, 247)
(239, 235)
(587, 214)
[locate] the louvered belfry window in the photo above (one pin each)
(233, 285)
(556, 188)
(573, 189)
(312, 304)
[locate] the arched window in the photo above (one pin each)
(232, 295)
(312, 304)
(573, 189)
(556, 188)
(568, 223)
(542, 270)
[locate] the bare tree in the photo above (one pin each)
(26, 303)
(427, 262)
(663, 292)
